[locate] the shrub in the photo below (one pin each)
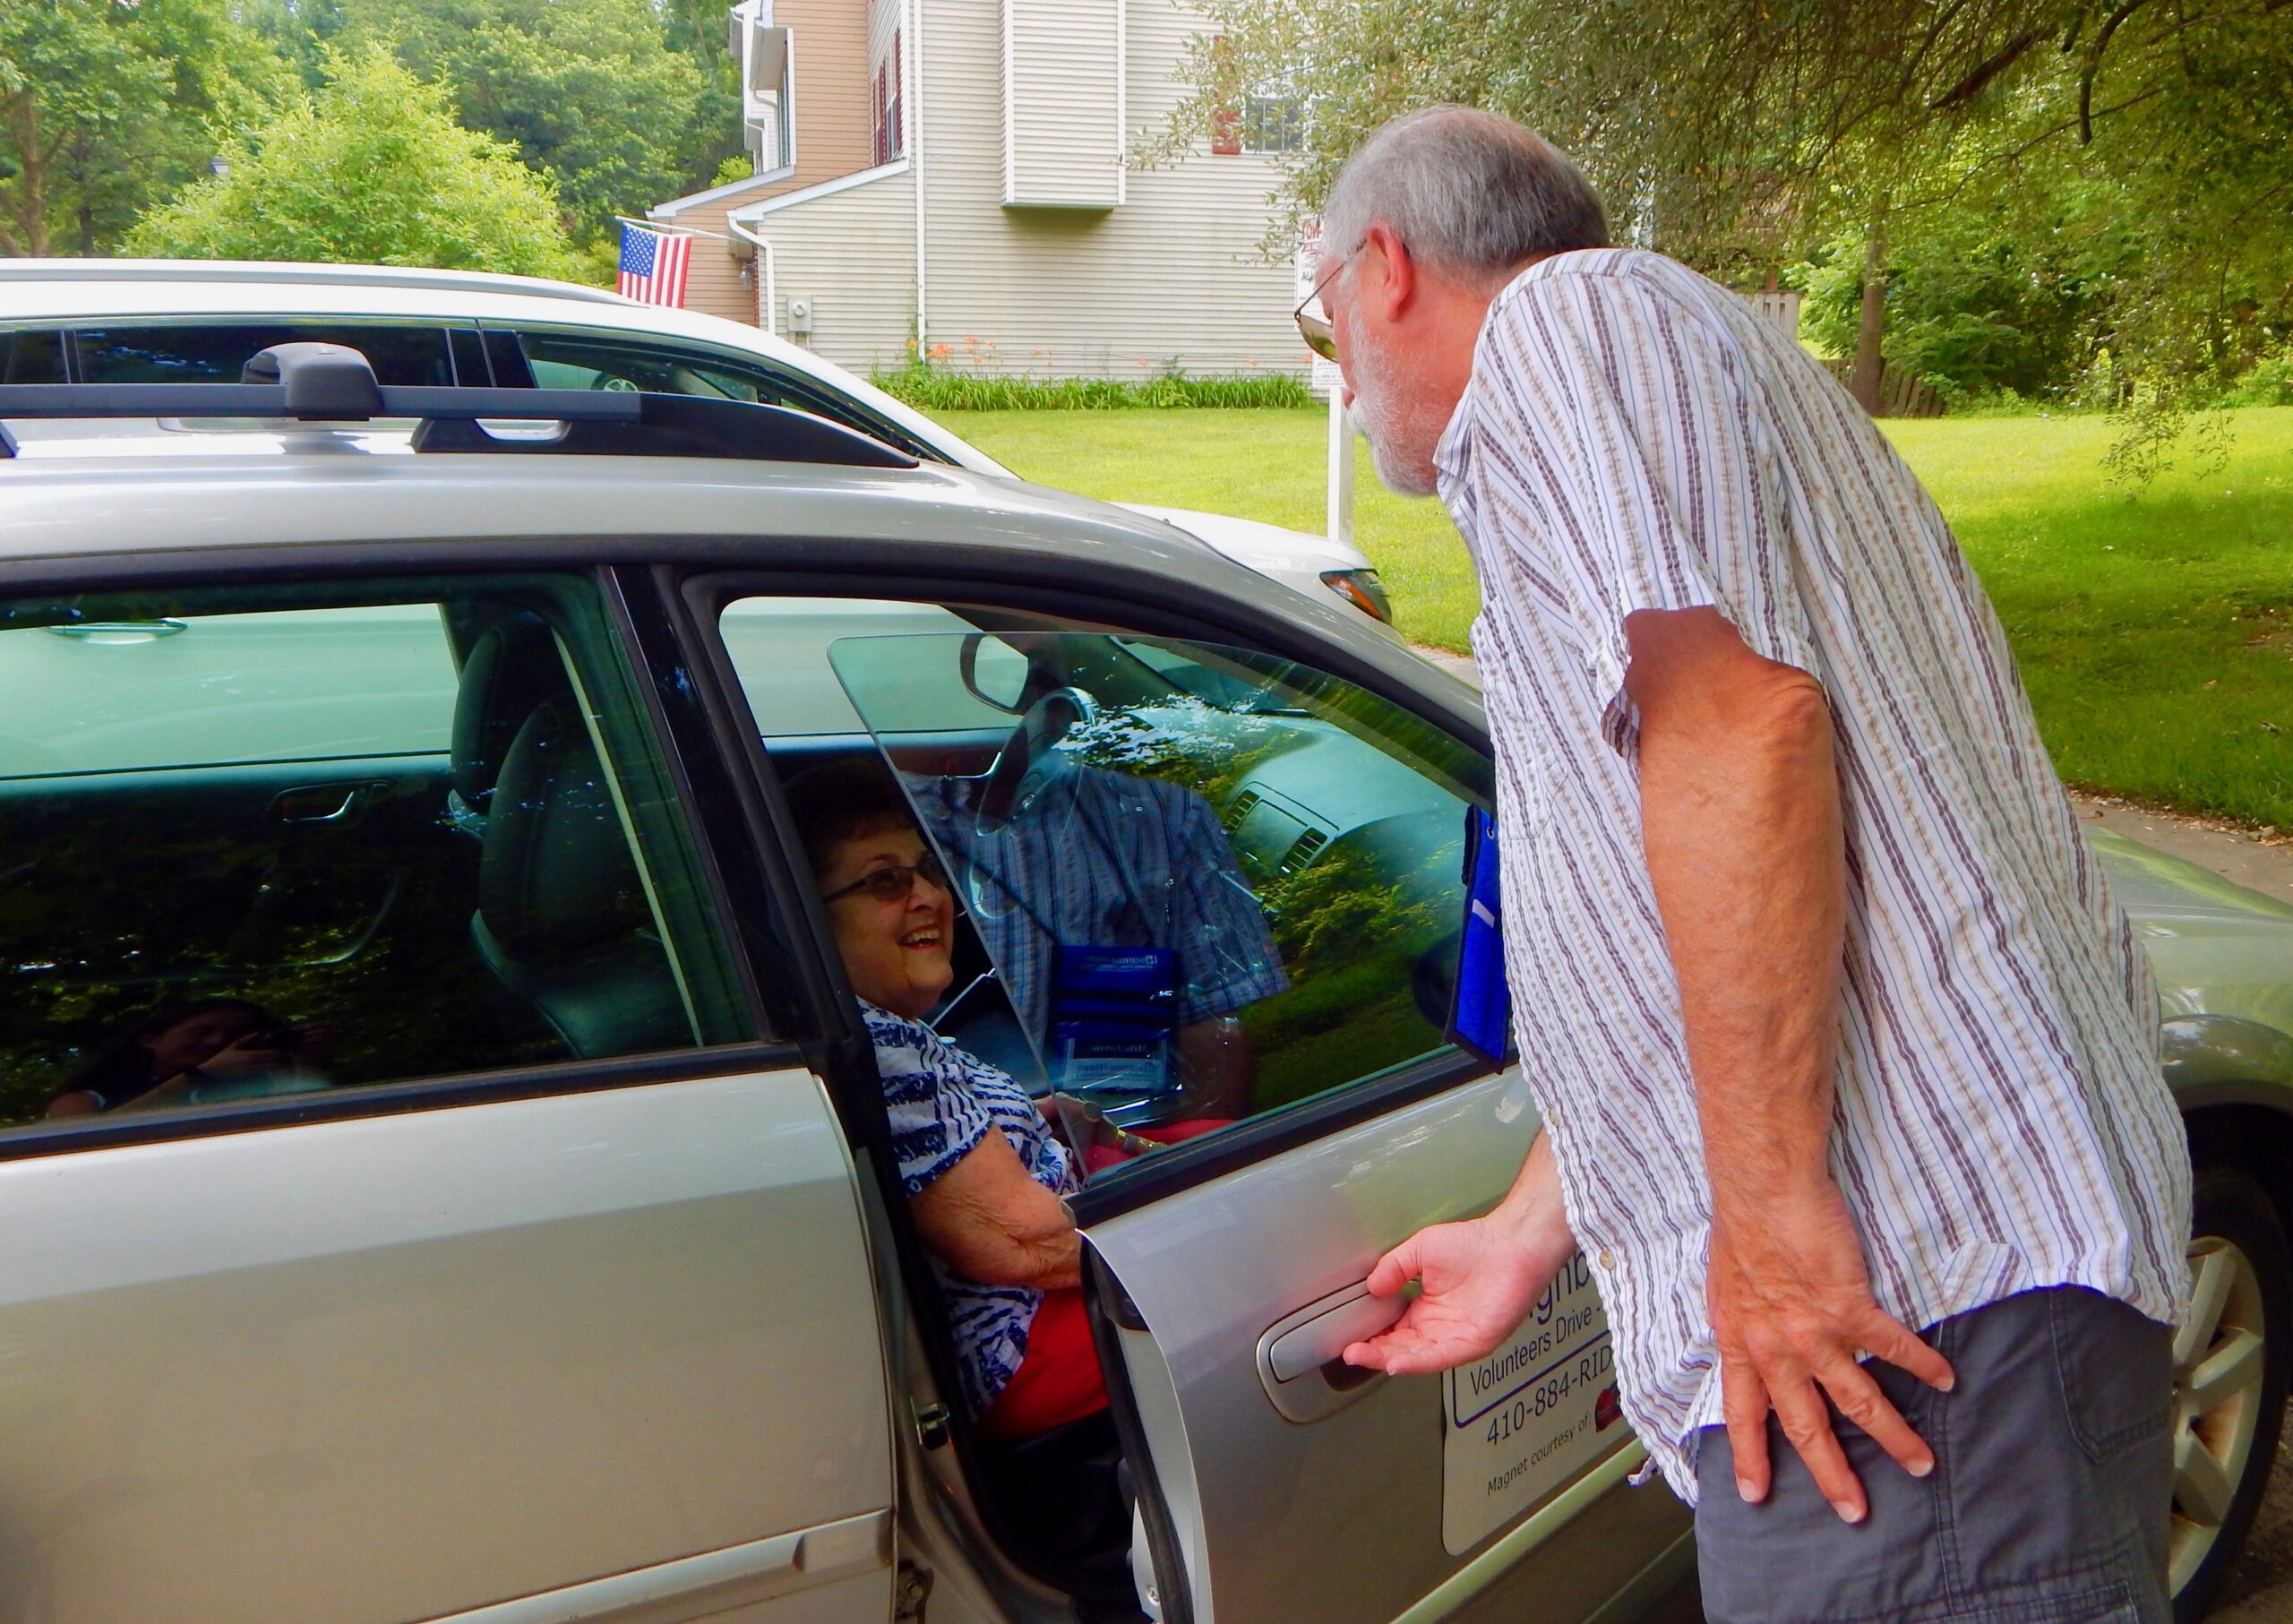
(931, 388)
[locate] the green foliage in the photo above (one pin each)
(932, 388)
(1972, 307)
(371, 169)
(2129, 153)
(735, 168)
(2269, 383)
(589, 92)
(106, 107)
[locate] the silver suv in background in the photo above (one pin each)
(184, 321)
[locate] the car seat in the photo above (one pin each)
(511, 669)
(562, 917)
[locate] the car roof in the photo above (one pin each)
(60, 292)
(109, 489)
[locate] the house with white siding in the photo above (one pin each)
(957, 174)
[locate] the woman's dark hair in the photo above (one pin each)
(121, 1068)
(843, 800)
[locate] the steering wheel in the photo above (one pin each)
(1041, 726)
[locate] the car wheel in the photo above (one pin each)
(2230, 1366)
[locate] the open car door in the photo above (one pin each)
(1274, 856)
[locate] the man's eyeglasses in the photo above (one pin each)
(897, 884)
(1320, 336)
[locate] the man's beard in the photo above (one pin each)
(1401, 441)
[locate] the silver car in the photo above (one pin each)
(554, 1267)
(126, 321)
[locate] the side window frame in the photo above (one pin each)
(1033, 606)
(765, 1044)
(802, 392)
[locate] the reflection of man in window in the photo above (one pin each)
(1089, 862)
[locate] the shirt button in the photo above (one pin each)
(1607, 1260)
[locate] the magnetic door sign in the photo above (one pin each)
(1523, 1422)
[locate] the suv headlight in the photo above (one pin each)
(1364, 590)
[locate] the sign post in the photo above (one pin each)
(1326, 379)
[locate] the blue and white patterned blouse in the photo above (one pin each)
(942, 1102)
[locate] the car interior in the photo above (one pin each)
(388, 823)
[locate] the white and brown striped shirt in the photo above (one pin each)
(1634, 437)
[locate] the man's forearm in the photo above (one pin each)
(1740, 813)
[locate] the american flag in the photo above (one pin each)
(653, 264)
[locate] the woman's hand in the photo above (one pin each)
(242, 1056)
(988, 1220)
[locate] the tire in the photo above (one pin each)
(2226, 1426)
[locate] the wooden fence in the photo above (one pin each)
(1901, 393)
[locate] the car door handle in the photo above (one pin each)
(1299, 1356)
(320, 802)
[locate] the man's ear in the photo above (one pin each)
(1387, 280)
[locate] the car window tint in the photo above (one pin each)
(33, 358)
(214, 352)
(564, 361)
(561, 360)
(1211, 883)
(285, 840)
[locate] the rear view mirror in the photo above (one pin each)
(993, 672)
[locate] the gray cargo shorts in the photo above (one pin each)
(2048, 1505)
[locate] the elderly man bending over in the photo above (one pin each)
(1859, 1118)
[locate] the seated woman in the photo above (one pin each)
(982, 1171)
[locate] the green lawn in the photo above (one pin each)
(2155, 631)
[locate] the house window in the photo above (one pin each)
(890, 106)
(1272, 124)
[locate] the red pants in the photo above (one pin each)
(1059, 1380)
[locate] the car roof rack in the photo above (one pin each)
(333, 383)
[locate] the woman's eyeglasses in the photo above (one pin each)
(895, 883)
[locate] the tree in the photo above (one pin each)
(372, 168)
(105, 106)
(589, 91)
(1740, 135)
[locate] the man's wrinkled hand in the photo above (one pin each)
(1792, 1308)
(1479, 1282)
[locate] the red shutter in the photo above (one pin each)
(1226, 123)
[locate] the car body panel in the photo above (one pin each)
(534, 1342)
(1212, 1268)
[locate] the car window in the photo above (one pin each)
(284, 840)
(215, 352)
(582, 360)
(1209, 884)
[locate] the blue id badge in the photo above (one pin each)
(1113, 1012)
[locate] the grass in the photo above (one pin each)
(2154, 630)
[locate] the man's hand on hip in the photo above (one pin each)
(1792, 1310)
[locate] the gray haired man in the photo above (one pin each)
(1847, 1058)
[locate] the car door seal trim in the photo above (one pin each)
(713, 1582)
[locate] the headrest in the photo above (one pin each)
(511, 671)
(556, 871)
